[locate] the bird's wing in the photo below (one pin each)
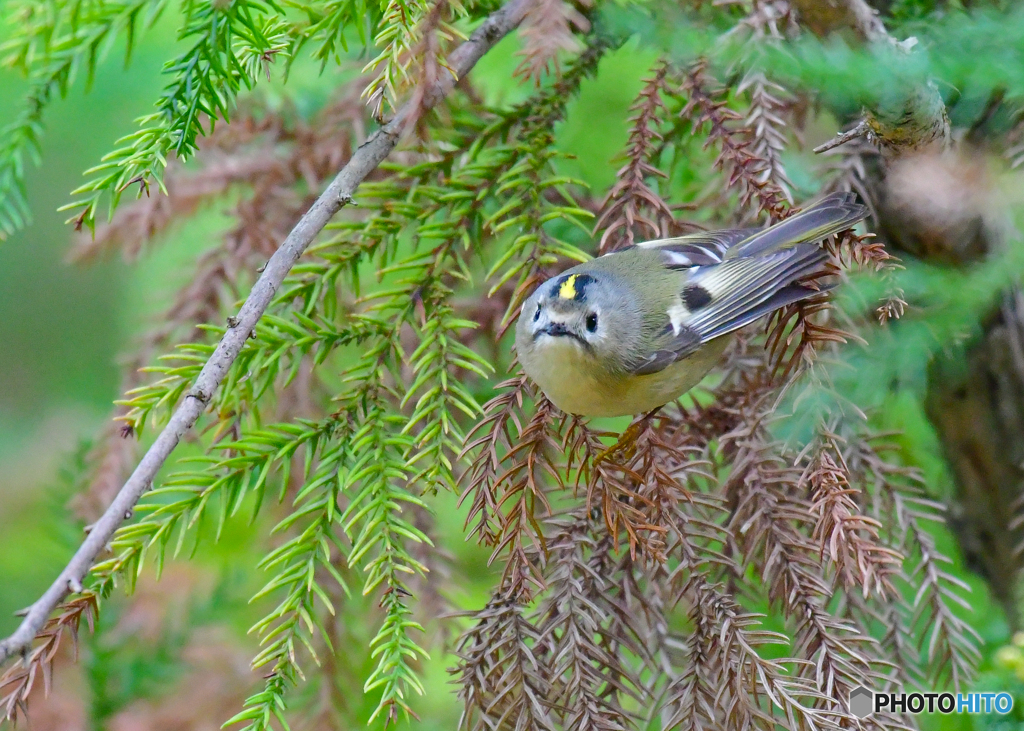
(699, 249)
(832, 214)
(717, 299)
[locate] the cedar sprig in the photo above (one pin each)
(849, 168)
(947, 645)
(743, 169)
(676, 479)
(492, 167)
(440, 396)
(772, 526)
(374, 522)
(547, 33)
(632, 207)
(507, 479)
(50, 43)
(17, 681)
(521, 497)
(850, 250)
(693, 696)
(410, 33)
(637, 620)
(586, 670)
(231, 47)
(492, 438)
(848, 538)
(799, 330)
(765, 20)
(887, 620)
(420, 300)
(297, 566)
(430, 59)
(398, 32)
(796, 332)
(769, 101)
(726, 682)
(276, 155)
(645, 494)
(187, 500)
(435, 601)
(767, 127)
(651, 493)
(329, 25)
(502, 682)
(271, 359)
(213, 492)
(613, 490)
(746, 380)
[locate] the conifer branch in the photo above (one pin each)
(766, 125)
(338, 193)
(632, 206)
(586, 674)
(847, 538)
(769, 100)
(742, 167)
(771, 524)
(56, 46)
(726, 681)
(547, 32)
(500, 677)
(16, 684)
(917, 121)
(947, 645)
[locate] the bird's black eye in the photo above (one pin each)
(591, 322)
(536, 314)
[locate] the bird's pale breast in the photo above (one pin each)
(577, 384)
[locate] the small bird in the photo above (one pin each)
(629, 331)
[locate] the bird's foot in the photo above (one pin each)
(624, 449)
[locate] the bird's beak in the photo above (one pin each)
(554, 329)
(559, 330)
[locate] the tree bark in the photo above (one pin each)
(977, 409)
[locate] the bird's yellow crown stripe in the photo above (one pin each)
(568, 289)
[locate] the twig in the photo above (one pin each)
(339, 193)
(861, 130)
(868, 22)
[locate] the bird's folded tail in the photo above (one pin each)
(832, 214)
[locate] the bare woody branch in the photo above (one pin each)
(918, 121)
(364, 161)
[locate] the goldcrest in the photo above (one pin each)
(632, 330)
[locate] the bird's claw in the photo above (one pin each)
(624, 448)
